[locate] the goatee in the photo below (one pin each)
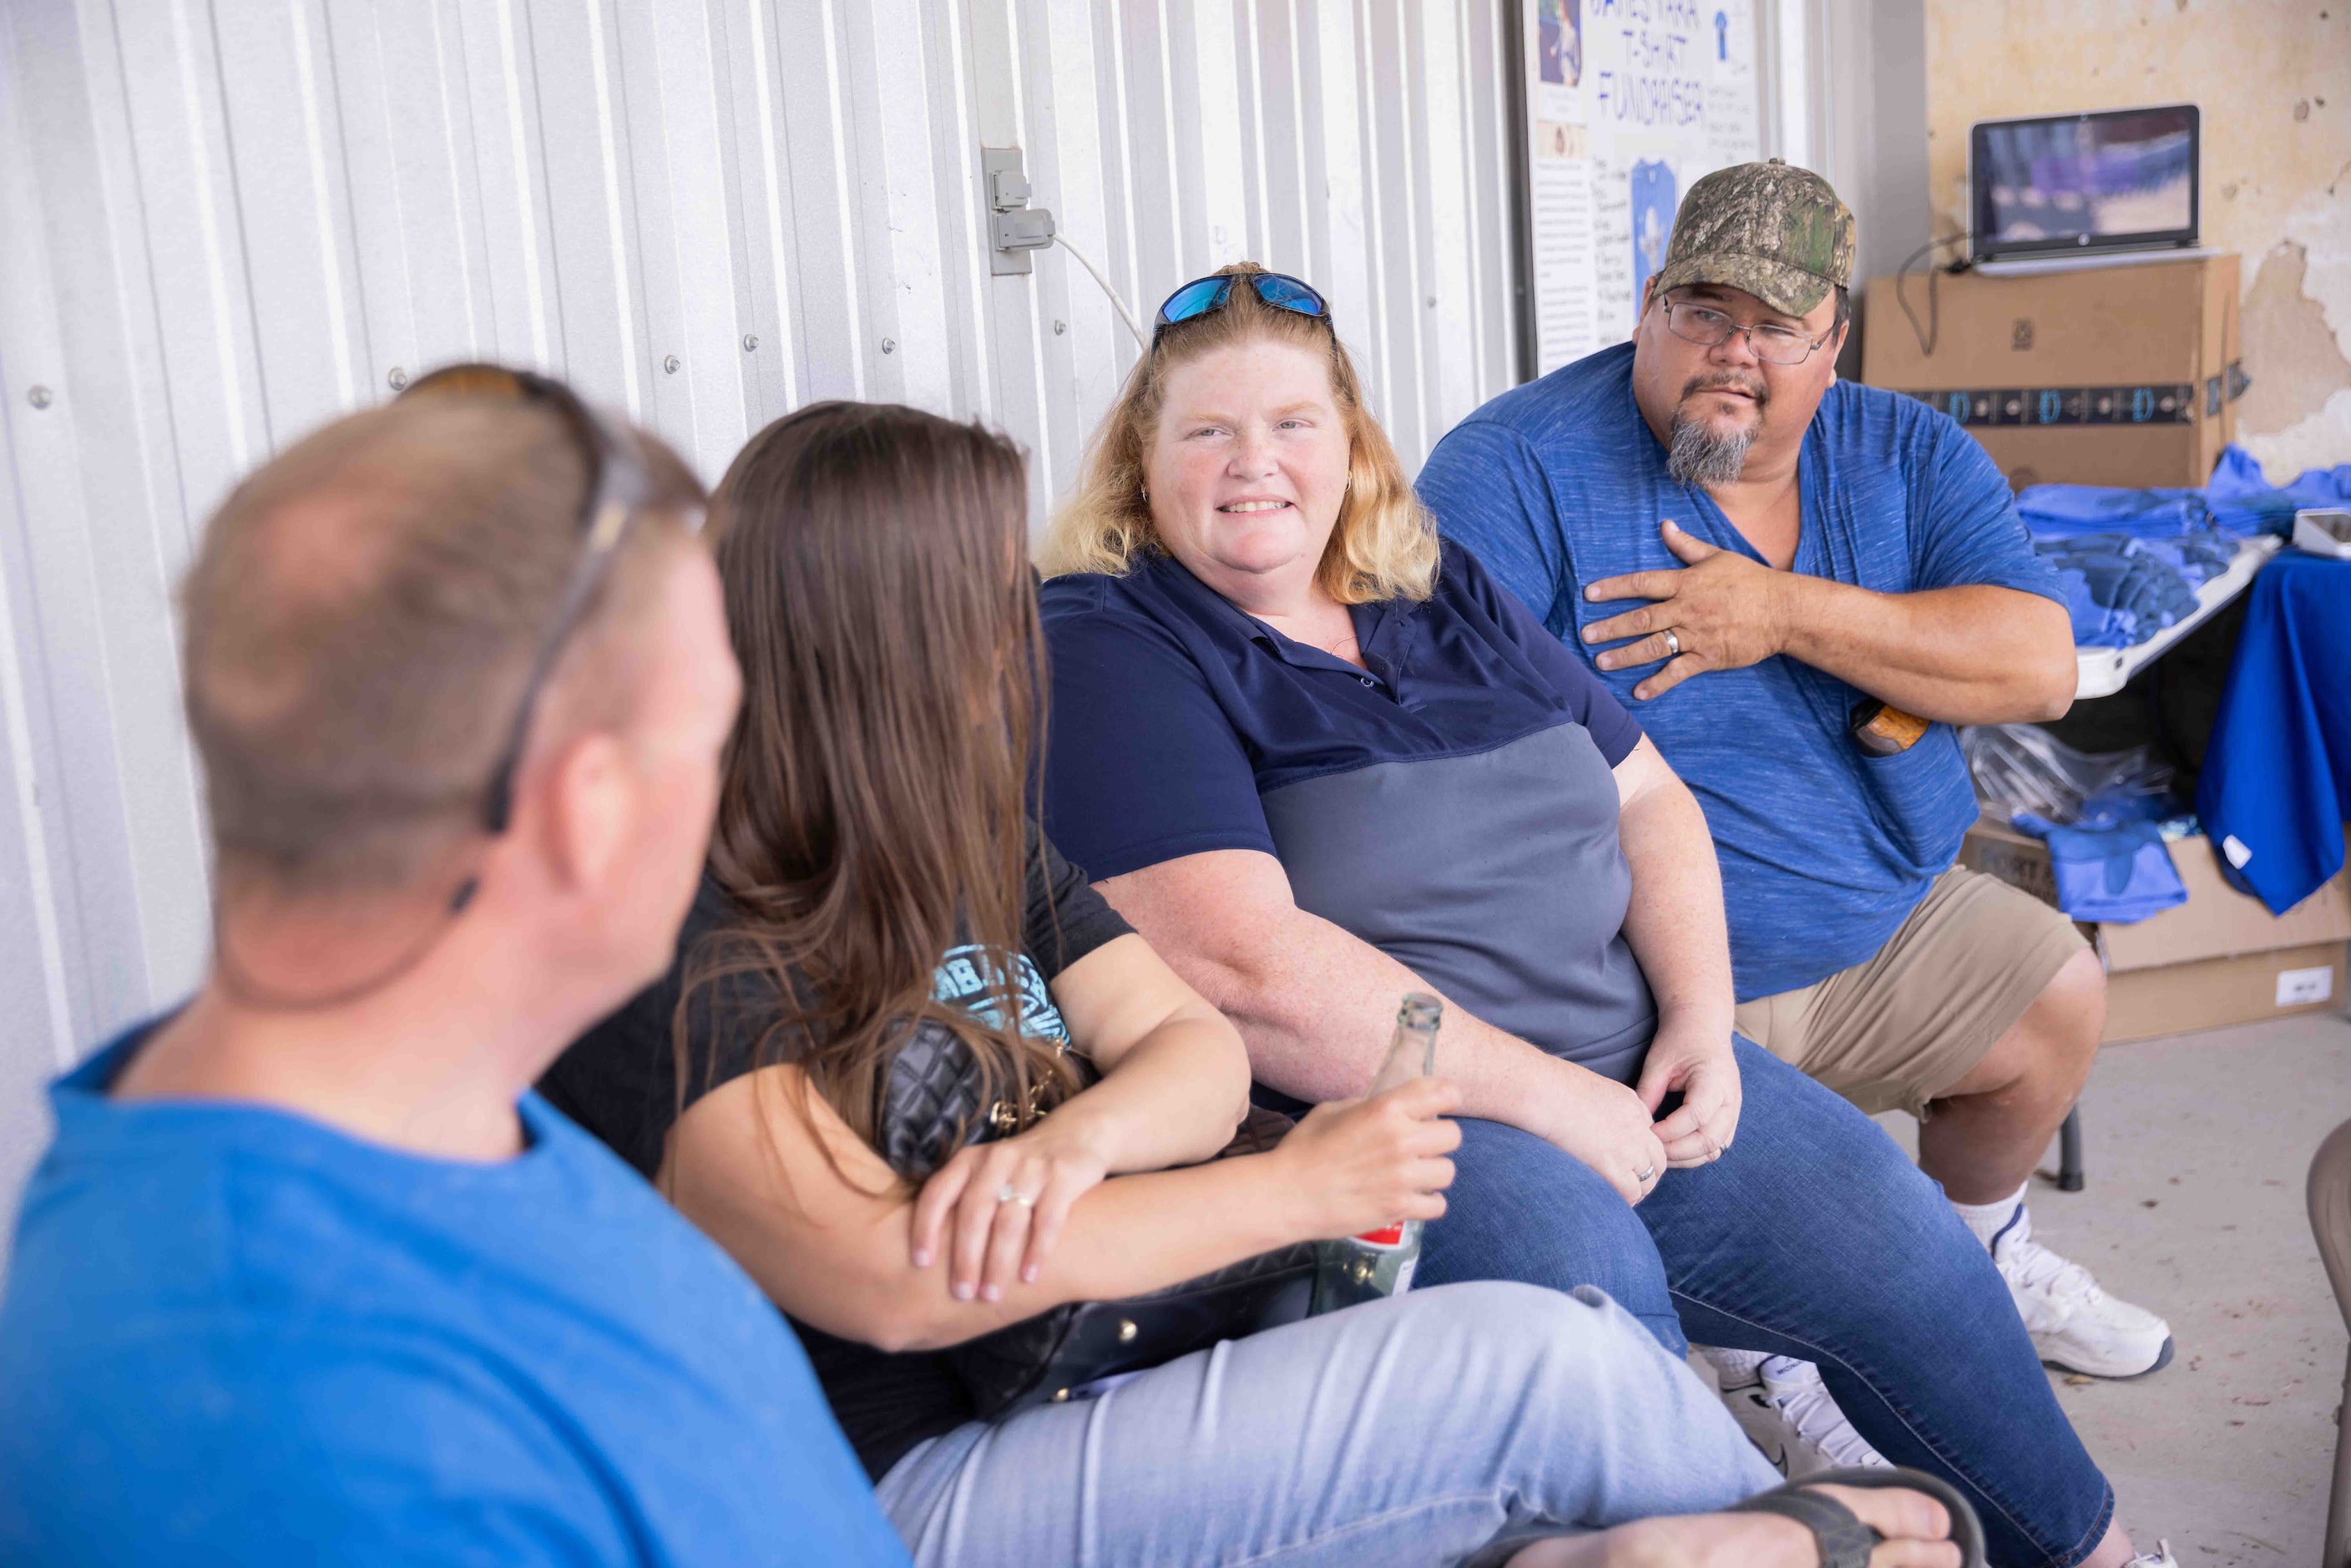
(1697, 456)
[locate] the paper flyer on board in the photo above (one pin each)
(1627, 101)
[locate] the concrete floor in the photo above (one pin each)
(2197, 1149)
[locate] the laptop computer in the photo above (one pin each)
(2084, 185)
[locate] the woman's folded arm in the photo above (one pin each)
(828, 1239)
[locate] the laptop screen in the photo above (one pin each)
(2122, 179)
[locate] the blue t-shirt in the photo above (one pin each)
(233, 1334)
(1452, 804)
(1825, 848)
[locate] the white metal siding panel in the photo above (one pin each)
(1335, 191)
(37, 976)
(223, 222)
(101, 543)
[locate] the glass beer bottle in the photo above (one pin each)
(1379, 1263)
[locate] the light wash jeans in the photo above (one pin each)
(1439, 1427)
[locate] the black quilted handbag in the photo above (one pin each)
(931, 1106)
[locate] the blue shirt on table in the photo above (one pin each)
(1825, 848)
(1452, 804)
(236, 1335)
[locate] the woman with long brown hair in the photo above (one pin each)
(876, 867)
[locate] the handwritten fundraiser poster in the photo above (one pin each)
(1628, 101)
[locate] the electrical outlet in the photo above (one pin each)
(2300, 988)
(1030, 228)
(1014, 227)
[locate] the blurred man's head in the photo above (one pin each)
(362, 622)
(1739, 329)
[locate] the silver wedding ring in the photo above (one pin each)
(1644, 1173)
(1673, 641)
(1008, 1193)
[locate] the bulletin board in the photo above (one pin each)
(1621, 105)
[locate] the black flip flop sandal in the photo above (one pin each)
(1845, 1541)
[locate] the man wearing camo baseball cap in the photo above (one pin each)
(1799, 586)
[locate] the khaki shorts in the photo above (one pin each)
(1899, 1029)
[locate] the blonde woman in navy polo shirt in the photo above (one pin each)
(1320, 759)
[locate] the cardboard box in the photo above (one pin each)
(2219, 958)
(2212, 993)
(2106, 375)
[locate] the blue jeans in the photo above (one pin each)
(1812, 1236)
(1437, 1428)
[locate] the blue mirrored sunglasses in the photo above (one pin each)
(1204, 295)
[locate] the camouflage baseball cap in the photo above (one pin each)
(1774, 230)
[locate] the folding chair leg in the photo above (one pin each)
(2069, 1152)
(2339, 1508)
(2330, 1223)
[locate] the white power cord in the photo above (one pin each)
(1117, 303)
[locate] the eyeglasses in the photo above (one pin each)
(1711, 328)
(617, 486)
(1205, 295)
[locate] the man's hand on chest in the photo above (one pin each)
(1719, 610)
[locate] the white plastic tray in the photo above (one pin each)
(2104, 670)
(2324, 531)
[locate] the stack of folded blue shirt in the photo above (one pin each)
(2245, 503)
(2108, 819)
(2113, 865)
(2124, 589)
(2132, 559)
(2237, 500)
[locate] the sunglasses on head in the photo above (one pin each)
(1206, 296)
(617, 486)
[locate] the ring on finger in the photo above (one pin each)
(1008, 1193)
(1644, 1173)
(1673, 641)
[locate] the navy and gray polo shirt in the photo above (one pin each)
(1452, 805)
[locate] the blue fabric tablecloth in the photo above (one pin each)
(2277, 775)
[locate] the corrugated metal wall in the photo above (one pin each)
(223, 223)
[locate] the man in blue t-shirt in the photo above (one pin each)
(310, 1274)
(1800, 585)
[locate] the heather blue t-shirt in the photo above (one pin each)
(233, 1334)
(1825, 848)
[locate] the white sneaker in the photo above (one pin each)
(2160, 1557)
(2074, 1323)
(1786, 1411)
